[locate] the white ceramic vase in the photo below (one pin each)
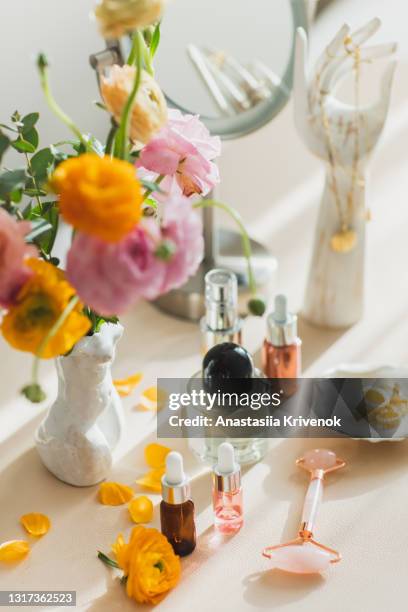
(83, 426)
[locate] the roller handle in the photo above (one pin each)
(311, 505)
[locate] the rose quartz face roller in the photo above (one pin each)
(304, 555)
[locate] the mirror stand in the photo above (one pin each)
(222, 249)
(273, 36)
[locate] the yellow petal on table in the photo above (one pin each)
(152, 398)
(125, 386)
(141, 509)
(14, 550)
(155, 455)
(114, 493)
(151, 480)
(35, 523)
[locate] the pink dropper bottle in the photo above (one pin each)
(227, 491)
(281, 354)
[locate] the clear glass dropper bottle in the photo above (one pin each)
(227, 491)
(221, 322)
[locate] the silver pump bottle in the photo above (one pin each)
(221, 322)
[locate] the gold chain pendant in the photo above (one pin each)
(343, 241)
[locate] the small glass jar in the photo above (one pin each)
(247, 450)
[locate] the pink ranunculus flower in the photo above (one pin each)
(183, 150)
(110, 277)
(13, 251)
(182, 226)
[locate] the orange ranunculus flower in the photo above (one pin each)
(39, 304)
(98, 195)
(149, 564)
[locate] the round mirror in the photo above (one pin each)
(230, 61)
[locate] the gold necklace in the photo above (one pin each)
(345, 239)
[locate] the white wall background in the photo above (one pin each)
(64, 31)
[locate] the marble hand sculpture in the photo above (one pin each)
(344, 136)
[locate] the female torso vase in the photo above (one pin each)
(344, 136)
(76, 439)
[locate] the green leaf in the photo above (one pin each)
(93, 145)
(100, 105)
(79, 148)
(41, 162)
(107, 560)
(155, 40)
(151, 186)
(16, 117)
(23, 146)
(29, 122)
(4, 144)
(46, 242)
(10, 180)
(38, 228)
(31, 136)
(16, 196)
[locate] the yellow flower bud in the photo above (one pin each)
(149, 112)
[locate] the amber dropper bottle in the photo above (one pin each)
(177, 508)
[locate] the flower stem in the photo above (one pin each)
(144, 50)
(42, 64)
(51, 333)
(122, 135)
(36, 186)
(149, 192)
(246, 244)
(105, 559)
(30, 170)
